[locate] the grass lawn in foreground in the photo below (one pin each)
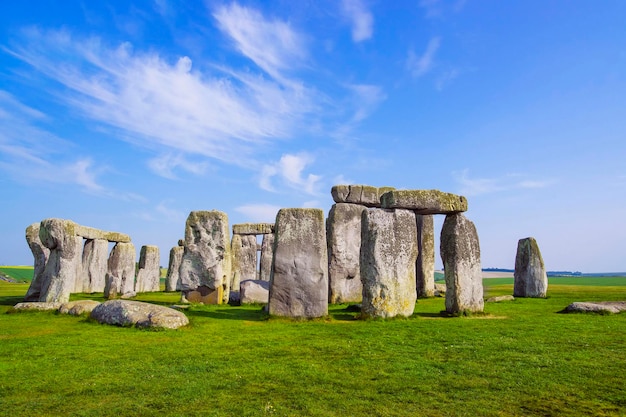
(521, 358)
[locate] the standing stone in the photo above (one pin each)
(267, 253)
(425, 266)
(299, 279)
(120, 277)
(244, 259)
(95, 257)
(172, 280)
(59, 276)
(344, 246)
(79, 283)
(207, 257)
(41, 254)
(530, 278)
(460, 252)
(149, 273)
(388, 255)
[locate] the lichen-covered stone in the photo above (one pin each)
(92, 233)
(134, 313)
(460, 252)
(530, 278)
(36, 306)
(172, 280)
(244, 255)
(425, 265)
(500, 298)
(207, 256)
(299, 280)
(79, 307)
(94, 261)
(344, 245)
(388, 255)
(612, 307)
(120, 277)
(365, 195)
(149, 272)
(267, 254)
(254, 292)
(424, 201)
(40, 255)
(253, 228)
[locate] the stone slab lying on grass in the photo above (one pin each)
(424, 201)
(500, 298)
(596, 307)
(36, 306)
(254, 292)
(77, 308)
(129, 313)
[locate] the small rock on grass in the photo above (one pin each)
(596, 307)
(139, 314)
(36, 306)
(500, 298)
(77, 308)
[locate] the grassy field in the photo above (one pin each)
(522, 358)
(18, 273)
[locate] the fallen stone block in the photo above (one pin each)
(36, 306)
(500, 298)
(612, 307)
(135, 313)
(77, 308)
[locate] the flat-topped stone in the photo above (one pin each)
(253, 228)
(365, 195)
(93, 233)
(424, 201)
(596, 307)
(36, 306)
(79, 307)
(128, 313)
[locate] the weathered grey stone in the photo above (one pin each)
(172, 280)
(500, 298)
(129, 313)
(365, 195)
(149, 272)
(530, 278)
(95, 258)
(440, 290)
(460, 252)
(120, 277)
(36, 306)
(424, 201)
(41, 254)
(613, 307)
(92, 233)
(267, 254)
(254, 292)
(425, 265)
(207, 256)
(77, 308)
(388, 255)
(253, 228)
(244, 255)
(299, 279)
(79, 277)
(344, 245)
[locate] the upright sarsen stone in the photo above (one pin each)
(460, 252)
(388, 255)
(244, 255)
(344, 246)
(425, 266)
(299, 280)
(172, 280)
(41, 254)
(530, 278)
(149, 272)
(207, 258)
(95, 258)
(120, 277)
(267, 254)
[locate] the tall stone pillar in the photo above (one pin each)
(267, 253)
(530, 277)
(41, 254)
(425, 266)
(149, 273)
(172, 280)
(94, 261)
(244, 254)
(120, 277)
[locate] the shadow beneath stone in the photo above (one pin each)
(431, 315)
(229, 314)
(11, 300)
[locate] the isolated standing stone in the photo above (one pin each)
(267, 254)
(120, 277)
(460, 252)
(244, 259)
(299, 280)
(95, 258)
(41, 254)
(207, 257)
(344, 246)
(425, 266)
(254, 292)
(172, 280)
(149, 272)
(530, 278)
(388, 255)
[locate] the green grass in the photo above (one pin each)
(522, 358)
(18, 273)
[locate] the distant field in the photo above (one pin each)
(590, 281)
(18, 273)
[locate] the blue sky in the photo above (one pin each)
(126, 116)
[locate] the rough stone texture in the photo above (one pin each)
(425, 265)
(129, 313)
(343, 228)
(254, 292)
(253, 228)
(172, 280)
(500, 298)
(388, 255)
(244, 255)
(299, 279)
(267, 254)
(460, 252)
(530, 278)
(77, 308)
(41, 254)
(120, 277)
(207, 258)
(79, 276)
(149, 272)
(203, 295)
(36, 306)
(91, 233)
(596, 307)
(424, 201)
(95, 258)
(440, 290)
(365, 195)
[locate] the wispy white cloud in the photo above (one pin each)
(420, 65)
(289, 173)
(477, 186)
(165, 165)
(259, 212)
(361, 19)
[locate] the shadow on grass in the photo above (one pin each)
(233, 313)
(11, 300)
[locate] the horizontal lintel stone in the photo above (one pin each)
(92, 233)
(424, 201)
(253, 228)
(365, 195)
